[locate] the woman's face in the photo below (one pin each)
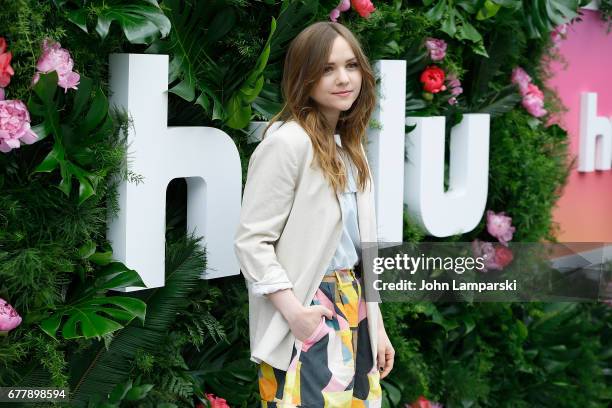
(340, 84)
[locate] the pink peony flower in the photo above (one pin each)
(521, 78)
(6, 71)
(456, 91)
(534, 105)
(455, 88)
(558, 34)
(14, 125)
(363, 7)
(55, 58)
(344, 5)
(485, 250)
(216, 402)
(423, 402)
(533, 101)
(453, 81)
(334, 14)
(436, 48)
(533, 98)
(500, 226)
(9, 318)
(532, 89)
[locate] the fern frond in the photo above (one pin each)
(101, 369)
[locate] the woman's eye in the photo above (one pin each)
(327, 69)
(353, 65)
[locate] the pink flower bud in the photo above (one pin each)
(521, 78)
(436, 48)
(9, 318)
(500, 226)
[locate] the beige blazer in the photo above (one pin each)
(290, 226)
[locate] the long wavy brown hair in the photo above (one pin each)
(304, 65)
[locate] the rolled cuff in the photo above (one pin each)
(261, 288)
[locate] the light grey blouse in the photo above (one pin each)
(348, 253)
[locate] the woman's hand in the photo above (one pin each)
(304, 323)
(386, 353)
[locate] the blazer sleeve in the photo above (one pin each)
(267, 201)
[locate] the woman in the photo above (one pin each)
(308, 205)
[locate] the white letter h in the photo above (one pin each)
(207, 157)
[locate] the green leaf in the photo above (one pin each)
(511, 4)
(86, 319)
(46, 86)
(221, 24)
(87, 249)
(469, 324)
(102, 258)
(52, 160)
(114, 275)
(66, 184)
(120, 391)
(542, 15)
(86, 190)
(84, 322)
(97, 112)
(500, 103)
(78, 17)
(117, 275)
(489, 10)
(468, 32)
(51, 324)
(184, 89)
(106, 367)
(142, 22)
(238, 107)
(40, 131)
(138, 392)
(203, 101)
(294, 16)
(239, 115)
(394, 393)
(190, 63)
(448, 25)
(81, 97)
(437, 11)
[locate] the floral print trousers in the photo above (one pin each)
(333, 368)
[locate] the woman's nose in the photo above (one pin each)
(342, 76)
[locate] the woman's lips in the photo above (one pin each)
(346, 93)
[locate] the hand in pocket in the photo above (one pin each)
(309, 322)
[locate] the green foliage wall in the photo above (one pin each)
(228, 57)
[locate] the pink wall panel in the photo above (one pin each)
(585, 208)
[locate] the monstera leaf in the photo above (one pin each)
(225, 92)
(541, 16)
(94, 315)
(74, 133)
(142, 21)
(239, 105)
